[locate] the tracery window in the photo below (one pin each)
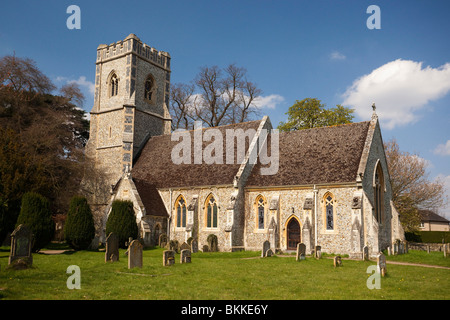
(260, 212)
(180, 207)
(211, 212)
(114, 85)
(329, 212)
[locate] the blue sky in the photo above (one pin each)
(291, 49)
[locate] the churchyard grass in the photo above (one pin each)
(219, 275)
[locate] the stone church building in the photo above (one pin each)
(331, 187)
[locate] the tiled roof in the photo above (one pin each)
(315, 156)
(428, 215)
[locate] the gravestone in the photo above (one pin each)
(112, 248)
(20, 256)
(389, 251)
(194, 246)
(381, 264)
(185, 246)
(445, 249)
(301, 252)
(337, 261)
(266, 246)
(185, 256)
(269, 253)
(162, 241)
(205, 248)
(135, 254)
(318, 252)
(365, 253)
(168, 257)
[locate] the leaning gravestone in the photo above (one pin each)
(194, 246)
(20, 256)
(112, 248)
(301, 252)
(337, 261)
(185, 256)
(269, 253)
(135, 254)
(184, 245)
(381, 264)
(266, 246)
(168, 257)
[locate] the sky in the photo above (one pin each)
(292, 50)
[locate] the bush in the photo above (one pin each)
(79, 229)
(122, 221)
(35, 213)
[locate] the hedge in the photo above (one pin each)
(428, 236)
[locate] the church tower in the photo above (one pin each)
(132, 83)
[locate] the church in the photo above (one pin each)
(325, 187)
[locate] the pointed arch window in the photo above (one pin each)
(211, 212)
(260, 207)
(149, 89)
(180, 208)
(114, 85)
(329, 212)
(378, 193)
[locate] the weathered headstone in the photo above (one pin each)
(266, 246)
(20, 256)
(445, 249)
(365, 253)
(168, 257)
(162, 241)
(205, 248)
(269, 253)
(112, 248)
(337, 261)
(381, 264)
(301, 252)
(185, 256)
(194, 246)
(184, 246)
(389, 251)
(318, 252)
(135, 254)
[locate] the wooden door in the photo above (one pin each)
(293, 234)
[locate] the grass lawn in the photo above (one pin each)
(222, 276)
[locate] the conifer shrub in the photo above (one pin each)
(122, 221)
(35, 213)
(79, 229)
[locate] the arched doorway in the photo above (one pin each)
(293, 234)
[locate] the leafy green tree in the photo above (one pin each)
(35, 213)
(79, 229)
(122, 221)
(311, 113)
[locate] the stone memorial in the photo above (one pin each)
(318, 252)
(266, 246)
(337, 261)
(20, 256)
(269, 253)
(205, 248)
(168, 257)
(301, 252)
(381, 264)
(112, 248)
(194, 246)
(365, 253)
(184, 245)
(185, 256)
(162, 241)
(135, 254)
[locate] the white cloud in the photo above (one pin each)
(400, 89)
(443, 149)
(81, 81)
(270, 101)
(336, 55)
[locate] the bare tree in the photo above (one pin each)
(411, 187)
(72, 92)
(224, 96)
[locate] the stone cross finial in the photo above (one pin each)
(374, 107)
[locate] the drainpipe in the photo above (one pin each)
(170, 214)
(315, 214)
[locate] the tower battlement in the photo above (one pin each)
(132, 44)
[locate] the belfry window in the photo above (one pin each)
(149, 89)
(114, 85)
(181, 213)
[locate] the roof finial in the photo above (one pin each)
(374, 114)
(374, 107)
